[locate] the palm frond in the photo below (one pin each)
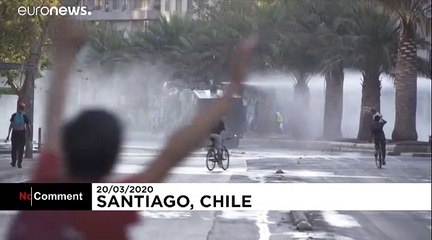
(424, 67)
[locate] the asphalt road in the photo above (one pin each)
(259, 164)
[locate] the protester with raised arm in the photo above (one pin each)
(85, 150)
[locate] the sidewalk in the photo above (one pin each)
(5, 148)
(9, 174)
(344, 145)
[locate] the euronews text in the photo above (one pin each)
(53, 11)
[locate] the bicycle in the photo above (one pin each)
(379, 156)
(212, 156)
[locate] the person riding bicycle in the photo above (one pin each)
(216, 135)
(377, 133)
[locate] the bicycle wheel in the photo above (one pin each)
(211, 160)
(378, 158)
(225, 158)
(381, 157)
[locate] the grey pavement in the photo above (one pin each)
(373, 225)
(252, 163)
(9, 174)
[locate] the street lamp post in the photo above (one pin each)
(29, 98)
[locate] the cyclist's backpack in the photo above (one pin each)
(18, 121)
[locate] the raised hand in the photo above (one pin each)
(68, 38)
(68, 35)
(240, 63)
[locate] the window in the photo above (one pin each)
(98, 4)
(190, 6)
(167, 5)
(90, 4)
(115, 4)
(157, 5)
(106, 6)
(146, 4)
(142, 4)
(125, 5)
(178, 5)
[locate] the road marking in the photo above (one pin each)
(136, 168)
(8, 212)
(259, 217)
(165, 215)
(295, 235)
(262, 224)
(261, 175)
(339, 220)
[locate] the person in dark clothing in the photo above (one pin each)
(19, 125)
(216, 135)
(377, 133)
(213, 88)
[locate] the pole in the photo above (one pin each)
(39, 139)
(29, 97)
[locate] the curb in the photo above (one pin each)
(351, 149)
(300, 221)
(408, 154)
(236, 152)
(9, 151)
(417, 154)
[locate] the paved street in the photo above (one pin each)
(259, 164)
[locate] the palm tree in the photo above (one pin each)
(331, 50)
(108, 47)
(374, 45)
(180, 42)
(301, 66)
(411, 15)
(300, 61)
(286, 27)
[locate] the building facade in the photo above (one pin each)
(133, 15)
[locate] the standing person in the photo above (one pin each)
(279, 120)
(19, 125)
(77, 150)
(213, 88)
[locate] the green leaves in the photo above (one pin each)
(306, 36)
(17, 33)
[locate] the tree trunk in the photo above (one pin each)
(27, 95)
(406, 88)
(333, 108)
(371, 93)
(301, 108)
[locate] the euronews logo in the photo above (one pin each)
(54, 11)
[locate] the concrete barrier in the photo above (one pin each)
(300, 221)
(331, 146)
